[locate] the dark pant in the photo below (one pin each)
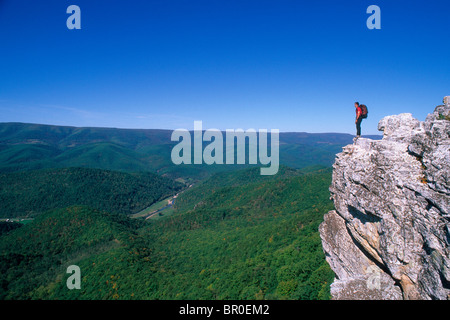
(358, 126)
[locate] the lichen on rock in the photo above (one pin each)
(389, 235)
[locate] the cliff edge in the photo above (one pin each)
(389, 235)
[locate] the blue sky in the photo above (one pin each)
(288, 65)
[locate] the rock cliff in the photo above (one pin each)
(389, 235)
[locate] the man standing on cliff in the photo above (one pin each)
(358, 120)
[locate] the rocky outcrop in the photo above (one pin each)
(389, 235)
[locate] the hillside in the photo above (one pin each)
(194, 196)
(251, 240)
(33, 192)
(32, 146)
(35, 257)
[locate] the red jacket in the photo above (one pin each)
(358, 112)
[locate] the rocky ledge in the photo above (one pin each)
(389, 235)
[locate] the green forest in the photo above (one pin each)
(81, 196)
(236, 235)
(29, 193)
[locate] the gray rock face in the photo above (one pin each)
(389, 235)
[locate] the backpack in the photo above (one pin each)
(364, 111)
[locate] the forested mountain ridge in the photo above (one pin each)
(29, 193)
(26, 146)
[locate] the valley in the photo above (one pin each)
(139, 227)
(255, 240)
